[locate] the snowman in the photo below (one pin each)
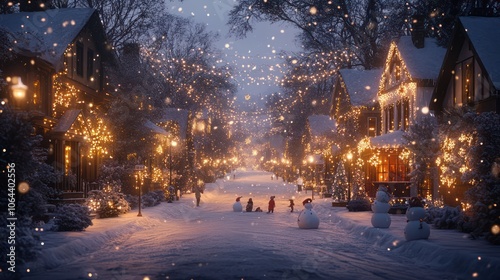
(380, 208)
(308, 219)
(237, 207)
(416, 228)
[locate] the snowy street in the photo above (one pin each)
(181, 241)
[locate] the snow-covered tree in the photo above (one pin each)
(423, 143)
(24, 157)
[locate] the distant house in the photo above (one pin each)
(320, 132)
(405, 90)
(356, 111)
(59, 57)
(470, 75)
(355, 100)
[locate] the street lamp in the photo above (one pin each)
(139, 168)
(312, 161)
(349, 175)
(18, 91)
(172, 143)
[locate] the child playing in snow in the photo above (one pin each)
(271, 205)
(249, 207)
(291, 205)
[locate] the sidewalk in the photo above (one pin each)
(449, 248)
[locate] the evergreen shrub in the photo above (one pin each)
(359, 204)
(72, 217)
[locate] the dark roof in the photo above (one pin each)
(484, 35)
(47, 34)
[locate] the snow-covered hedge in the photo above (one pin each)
(72, 217)
(444, 217)
(359, 204)
(107, 203)
(153, 198)
(149, 199)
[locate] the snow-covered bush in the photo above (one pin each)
(444, 217)
(153, 198)
(107, 203)
(133, 201)
(72, 217)
(149, 200)
(359, 204)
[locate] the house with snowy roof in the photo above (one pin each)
(470, 79)
(404, 93)
(59, 57)
(355, 101)
(470, 74)
(356, 111)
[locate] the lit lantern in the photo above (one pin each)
(18, 88)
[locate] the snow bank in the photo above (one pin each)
(458, 257)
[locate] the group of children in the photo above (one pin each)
(270, 206)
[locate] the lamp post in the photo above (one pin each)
(349, 174)
(139, 168)
(312, 161)
(172, 143)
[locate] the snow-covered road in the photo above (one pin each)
(181, 241)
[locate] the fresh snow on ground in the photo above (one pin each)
(181, 241)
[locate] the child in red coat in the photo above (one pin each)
(271, 205)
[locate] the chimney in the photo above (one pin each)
(34, 5)
(131, 60)
(418, 31)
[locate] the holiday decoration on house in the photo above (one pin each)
(237, 207)
(416, 228)
(380, 208)
(308, 219)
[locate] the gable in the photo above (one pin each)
(70, 124)
(484, 35)
(361, 85)
(405, 63)
(476, 36)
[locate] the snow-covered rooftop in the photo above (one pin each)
(321, 125)
(66, 121)
(46, 34)
(423, 63)
(388, 140)
(484, 33)
(362, 85)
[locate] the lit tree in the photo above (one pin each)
(484, 195)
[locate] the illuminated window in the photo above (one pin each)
(406, 113)
(372, 126)
(399, 116)
(67, 159)
(468, 81)
(391, 118)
